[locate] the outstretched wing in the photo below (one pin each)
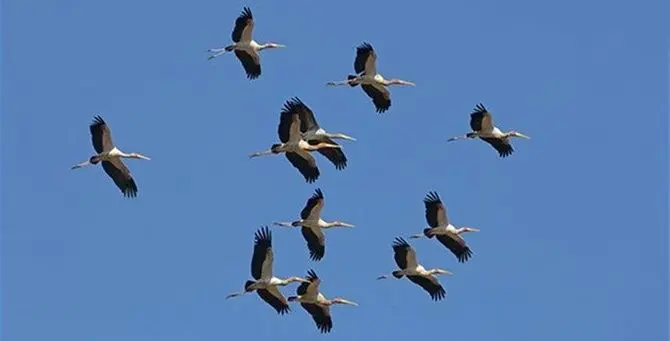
(456, 244)
(274, 297)
(380, 96)
(436, 213)
(305, 164)
(320, 315)
(431, 285)
(502, 146)
(335, 155)
(101, 135)
(251, 62)
(244, 26)
(366, 59)
(121, 176)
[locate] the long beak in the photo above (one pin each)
(79, 165)
(345, 137)
(283, 223)
(524, 136)
(347, 225)
(472, 229)
(280, 45)
(447, 272)
(349, 302)
(143, 157)
(407, 83)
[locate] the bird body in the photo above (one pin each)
(246, 49)
(443, 230)
(373, 84)
(110, 157)
(312, 225)
(315, 303)
(405, 257)
(295, 147)
(482, 125)
(266, 284)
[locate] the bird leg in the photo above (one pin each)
(83, 164)
(470, 135)
(285, 224)
(217, 52)
(235, 294)
(263, 153)
(339, 83)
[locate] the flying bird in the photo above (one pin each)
(373, 83)
(245, 48)
(295, 147)
(315, 303)
(443, 230)
(405, 258)
(266, 284)
(481, 123)
(313, 133)
(311, 222)
(110, 157)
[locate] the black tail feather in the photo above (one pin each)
(397, 274)
(248, 284)
(427, 233)
(352, 84)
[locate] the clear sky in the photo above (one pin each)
(574, 228)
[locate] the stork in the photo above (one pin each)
(266, 284)
(315, 303)
(443, 230)
(110, 157)
(311, 222)
(405, 258)
(245, 48)
(481, 123)
(313, 133)
(373, 83)
(295, 147)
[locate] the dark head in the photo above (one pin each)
(247, 285)
(94, 159)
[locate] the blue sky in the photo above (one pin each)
(573, 240)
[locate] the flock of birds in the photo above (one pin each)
(299, 134)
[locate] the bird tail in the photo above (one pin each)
(397, 274)
(248, 284)
(470, 135)
(295, 223)
(352, 84)
(229, 48)
(292, 298)
(94, 160)
(427, 232)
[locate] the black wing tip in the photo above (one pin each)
(364, 47)
(506, 152)
(246, 13)
(318, 194)
(253, 75)
(432, 197)
(311, 275)
(264, 236)
(479, 109)
(98, 120)
(316, 255)
(130, 190)
(400, 242)
(382, 108)
(464, 256)
(283, 309)
(438, 294)
(293, 104)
